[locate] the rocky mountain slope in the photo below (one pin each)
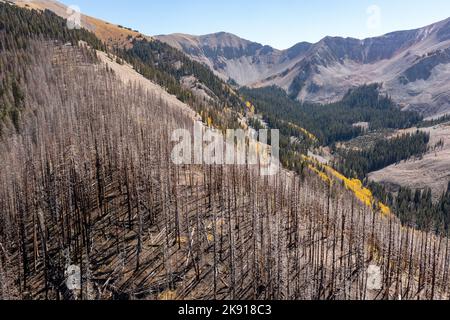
(229, 56)
(413, 66)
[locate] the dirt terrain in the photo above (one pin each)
(128, 75)
(110, 33)
(432, 170)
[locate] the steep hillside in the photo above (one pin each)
(413, 66)
(107, 201)
(234, 58)
(93, 207)
(111, 34)
(190, 81)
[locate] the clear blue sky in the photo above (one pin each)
(279, 23)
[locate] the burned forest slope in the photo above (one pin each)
(87, 183)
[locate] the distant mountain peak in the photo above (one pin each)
(412, 65)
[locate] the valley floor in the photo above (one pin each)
(432, 170)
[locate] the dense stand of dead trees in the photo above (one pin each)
(88, 181)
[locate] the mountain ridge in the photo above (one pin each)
(110, 33)
(324, 71)
(215, 49)
(413, 66)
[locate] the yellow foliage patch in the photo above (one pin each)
(167, 295)
(250, 107)
(385, 210)
(321, 174)
(304, 131)
(182, 240)
(363, 194)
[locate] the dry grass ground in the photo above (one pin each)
(127, 75)
(432, 170)
(105, 31)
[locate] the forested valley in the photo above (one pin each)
(358, 163)
(334, 124)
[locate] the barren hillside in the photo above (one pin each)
(107, 32)
(93, 206)
(412, 65)
(432, 170)
(109, 201)
(232, 57)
